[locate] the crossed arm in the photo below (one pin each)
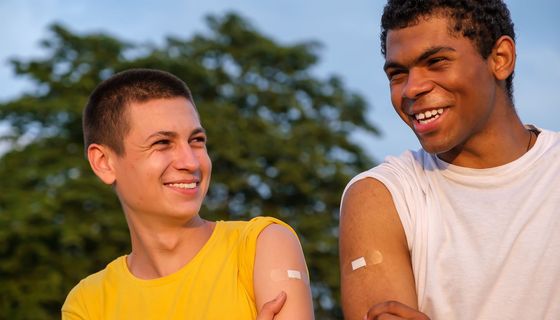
(380, 282)
(280, 266)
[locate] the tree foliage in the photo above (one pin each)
(279, 139)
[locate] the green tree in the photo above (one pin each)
(279, 138)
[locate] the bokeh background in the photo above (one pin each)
(57, 223)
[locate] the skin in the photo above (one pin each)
(428, 69)
(272, 307)
(161, 181)
(166, 146)
(278, 250)
(363, 229)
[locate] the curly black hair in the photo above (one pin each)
(482, 21)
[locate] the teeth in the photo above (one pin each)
(429, 120)
(428, 114)
(183, 185)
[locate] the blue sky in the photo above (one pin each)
(348, 30)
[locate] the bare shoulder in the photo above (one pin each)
(368, 205)
(374, 258)
(274, 232)
(280, 266)
(368, 190)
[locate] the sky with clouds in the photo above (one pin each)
(348, 30)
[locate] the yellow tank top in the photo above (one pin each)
(216, 284)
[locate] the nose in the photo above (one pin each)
(417, 84)
(185, 158)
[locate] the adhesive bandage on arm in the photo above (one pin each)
(372, 258)
(289, 275)
(358, 263)
(294, 274)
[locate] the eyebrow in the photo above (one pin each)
(173, 134)
(425, 55)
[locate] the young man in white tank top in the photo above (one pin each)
(466, 227)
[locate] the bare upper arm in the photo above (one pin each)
(279, 252)
(371, 229)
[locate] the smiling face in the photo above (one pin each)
(441, 87)
(165, 170)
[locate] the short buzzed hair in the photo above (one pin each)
(105, 119)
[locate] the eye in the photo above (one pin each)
(162, 142)
(435, 61)
(395, 75)
(198, 140)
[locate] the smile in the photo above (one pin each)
(428, 116)
(183, 185)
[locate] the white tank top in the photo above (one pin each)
(484, 243)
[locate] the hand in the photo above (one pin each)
(394, 310)
(271, 308)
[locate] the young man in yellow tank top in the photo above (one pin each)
(144, 137)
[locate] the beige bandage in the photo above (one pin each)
(376, 257)
(370, 259)
(288, 275)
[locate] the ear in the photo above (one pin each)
(503, 57)
(100, 159)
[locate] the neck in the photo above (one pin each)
(501, 143)
(160, 250)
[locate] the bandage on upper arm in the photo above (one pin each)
(367, 260)
(282, 274)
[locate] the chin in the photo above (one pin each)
(434, 149)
